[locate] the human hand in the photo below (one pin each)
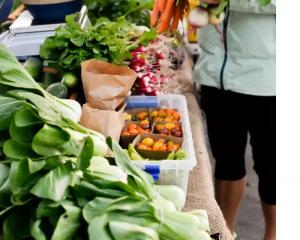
(210, 1)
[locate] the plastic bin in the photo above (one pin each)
(173, 172)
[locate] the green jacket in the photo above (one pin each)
(245, 61)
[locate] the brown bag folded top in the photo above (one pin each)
(107, 122)
(106, 85)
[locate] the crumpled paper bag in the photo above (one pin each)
(106, 85)
(107, 122)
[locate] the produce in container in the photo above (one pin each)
(168, 128)
(159, 147)
(136, 115)
(136, 128)
(131, 130)
(57, 184)
(165, 115)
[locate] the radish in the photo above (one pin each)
(144, 84)
(139, 62)
(140, 75)
(214, 20)
(137, 68)
(140, 49)
(198, 17)
(145, 89)
(154, 66)
(145, 79)
(154, 80)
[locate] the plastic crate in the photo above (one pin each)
(172, 172)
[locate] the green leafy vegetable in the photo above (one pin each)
(55, 182)
(106, 40)
(136, 11)
(68, 223)
(17, 150)
(49, 141)
(8, 107)
(123, 230)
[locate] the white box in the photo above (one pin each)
(174, 172)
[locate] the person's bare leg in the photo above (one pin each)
(270, 220)
(229, 195)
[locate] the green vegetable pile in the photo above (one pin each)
(135, 11)
(55, 182)
(105, 40)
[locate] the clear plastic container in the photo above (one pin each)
(174, 172)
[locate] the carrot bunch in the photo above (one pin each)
(167, 14)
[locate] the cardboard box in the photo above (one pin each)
(155, 155)
(126, 140)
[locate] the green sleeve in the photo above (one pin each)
(252, 6)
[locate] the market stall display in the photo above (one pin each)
(63, 175)
(56, 181)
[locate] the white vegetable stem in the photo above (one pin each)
(173, 194)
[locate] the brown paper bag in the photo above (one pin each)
(106, 85)
(107, 122)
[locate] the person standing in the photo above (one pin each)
(237, 74)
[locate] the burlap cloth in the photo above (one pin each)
(200, 187)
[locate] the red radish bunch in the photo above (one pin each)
(155, 68)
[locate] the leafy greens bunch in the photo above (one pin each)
(105, 40)
(135, 11)
(55, 182)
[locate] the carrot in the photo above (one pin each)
(154, 15)
(161, 5)
(166, 16)
(176, 18)
(165, 20)
(169, 8)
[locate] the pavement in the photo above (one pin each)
(250, 224)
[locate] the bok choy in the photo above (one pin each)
(55, 182)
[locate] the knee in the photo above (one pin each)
(230, 169)
(267, 188)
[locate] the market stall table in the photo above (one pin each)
(200, 194)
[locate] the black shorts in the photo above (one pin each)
(230, 118)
